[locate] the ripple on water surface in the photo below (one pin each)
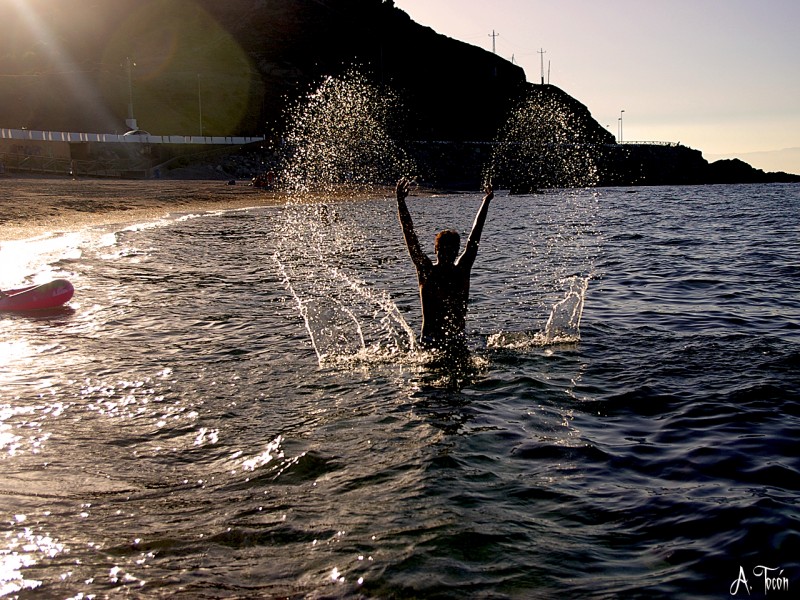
(179, 432)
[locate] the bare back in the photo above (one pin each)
(444, 294)
(443, 286)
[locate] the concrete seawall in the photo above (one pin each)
(135, 156)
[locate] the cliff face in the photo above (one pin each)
(453, 90)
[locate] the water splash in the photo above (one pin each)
(334, 330)
(563, 324)
(345, 319)
(565, 317)
(345, 316)
(340, 143)
(340, 138)
(541, 146)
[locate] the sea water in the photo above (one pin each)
(234, 404)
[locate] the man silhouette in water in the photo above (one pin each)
(443, 285)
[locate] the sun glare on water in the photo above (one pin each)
(25, 262)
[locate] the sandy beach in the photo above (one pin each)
(33, 206)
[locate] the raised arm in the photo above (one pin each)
(471, 251)
(412, 242)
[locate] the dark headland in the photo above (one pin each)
(245, 61)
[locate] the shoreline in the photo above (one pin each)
(31, 207)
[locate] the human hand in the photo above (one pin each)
(402, 189)
(489, 192)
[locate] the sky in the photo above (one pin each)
(721, 76)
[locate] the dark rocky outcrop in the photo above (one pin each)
(651, 164)
(671, 164)
(738, 171)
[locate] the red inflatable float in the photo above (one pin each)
(37, 297)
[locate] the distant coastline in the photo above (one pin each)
(786, 160)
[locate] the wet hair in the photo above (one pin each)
(447, 244)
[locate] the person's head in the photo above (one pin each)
(446, 245)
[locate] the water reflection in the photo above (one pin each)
(31, 260)
(186, 407)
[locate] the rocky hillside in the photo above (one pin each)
(224, 68)
(235, 65)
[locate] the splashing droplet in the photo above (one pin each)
(340, 139)
(542, 145)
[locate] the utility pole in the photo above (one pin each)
(493, 35)
(541, 53)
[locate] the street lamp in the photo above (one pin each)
(620, 124)
(200, 104)
(131, 120)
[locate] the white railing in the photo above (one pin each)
(539, 143)
(634, 143)
(63, 136)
